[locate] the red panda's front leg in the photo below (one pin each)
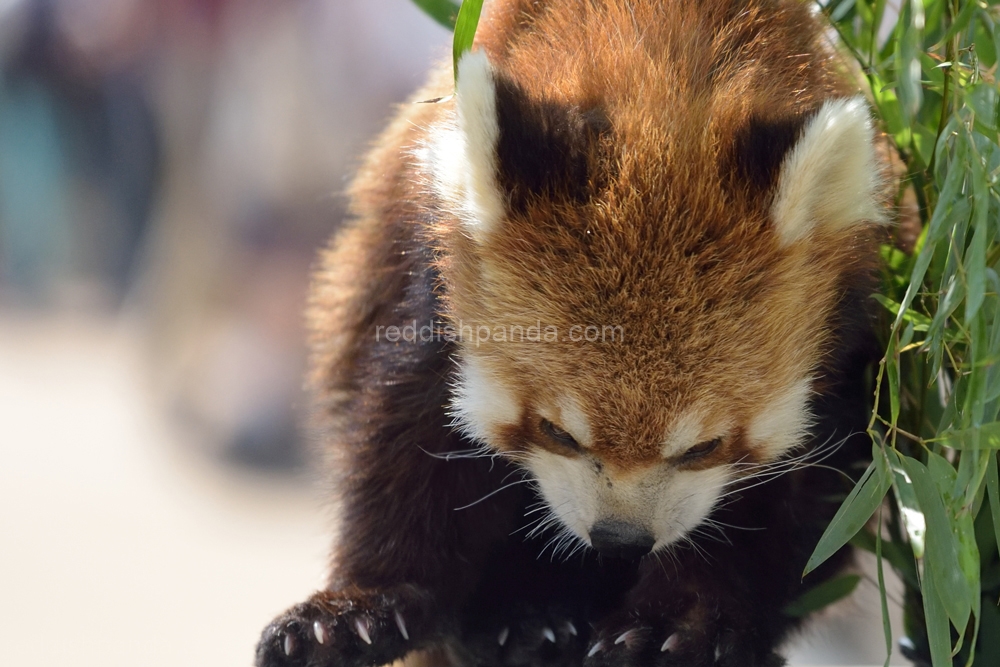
(416, 521)
(673, 624)
(720, 602)
(405, 563)
(351, 627)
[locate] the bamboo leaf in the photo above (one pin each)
(968, 557)
(898, 555)
(936, 230)
(988, 436)
(909, 509)
(841, 9)
(975, 269)
(962, 20)
(907, 57)
(942, 552)
(920, 322)
(442, 11)
(884, 603)
(977, 614)
(993, 488)
(465, 30)
(975, 263)
(823, 595)
(859, 506)
(938, 628)
(892, 372)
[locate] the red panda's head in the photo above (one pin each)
(643, 281)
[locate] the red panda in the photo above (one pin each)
(585, 309)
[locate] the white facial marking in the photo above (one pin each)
(685, 501)
(569, 485)
(666, 501)
(830, 178)
(574, 420)
(684, 433)
(783, 424)
(480, 404)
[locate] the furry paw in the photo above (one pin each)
(348, 629)
(525, 636)
(671, 640)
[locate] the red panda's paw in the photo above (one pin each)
(525, 636)
(668, 640)
(350, 629)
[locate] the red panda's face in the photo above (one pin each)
(643, 300)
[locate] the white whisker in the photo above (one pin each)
(492, 493)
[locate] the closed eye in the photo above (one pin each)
(559, 435)
(701, 450)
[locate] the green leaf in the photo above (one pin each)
(465, 30)
(919, 322)
(941, 559)
(993, 488)
(442, 11)
(892, 372)
(899, 555)
(909, 510)
(988, 436)
(825, 594)
(977, 614)
(975, 269)
(975, 262)
(949, 192)
(942, 472)
(859, 506)
(884, 602)
(907, 57)
(938, 629)
(840, 11)
(968, 557)
(962, 20)
(937, 228)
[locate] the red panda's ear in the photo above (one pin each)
(478, 135)
(830, 178)
(510, 148)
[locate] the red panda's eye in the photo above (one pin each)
(558, 434)
(702, 449)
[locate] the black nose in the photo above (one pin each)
(621, 540)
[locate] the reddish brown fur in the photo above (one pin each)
(702, 302)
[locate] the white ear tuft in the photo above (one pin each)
(479, 129)
(830, 178)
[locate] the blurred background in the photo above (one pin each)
(168, 169)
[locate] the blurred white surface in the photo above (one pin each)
(121, 547)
